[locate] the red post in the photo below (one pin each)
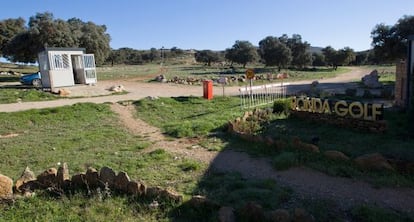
(208, 89)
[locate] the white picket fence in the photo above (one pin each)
(254, 96)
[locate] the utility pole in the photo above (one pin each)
(162, 55)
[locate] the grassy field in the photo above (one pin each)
(90, 135)
(150, 71)
(20, 68)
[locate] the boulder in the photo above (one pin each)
(92, 178)
(171, 195)
(26, 177)
(202, 202)
(301, 215)
(64, 92)
(117, 88)
(226, 214)
(279, 215)
(373, 161)
(252, 212)
(6, 187)
(335, 155)
(372, 80)
(107, 176)
(135, 188)
(308, 147)
(78, 181)
(48, 178)
(63, 175)
(121, 182)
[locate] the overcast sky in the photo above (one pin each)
(217, 24)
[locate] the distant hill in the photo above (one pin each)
(315, 49)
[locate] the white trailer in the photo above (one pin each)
(61, 67)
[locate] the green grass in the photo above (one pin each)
(150, 71)
(5, 67)
(189, 116)
(90, 135)
(86, 135)
(175, 117)
(24, 95)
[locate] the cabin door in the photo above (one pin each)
(89, 68)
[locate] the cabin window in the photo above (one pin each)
(59, 62)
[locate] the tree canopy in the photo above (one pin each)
(390, 42)
(20, 43)
(274, 53)
(336, 58)
(207, 56)
(241, 52)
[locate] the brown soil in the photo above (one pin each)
(306, 183)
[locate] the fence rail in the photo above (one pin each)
(253, 96)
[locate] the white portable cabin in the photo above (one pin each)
(66, 67)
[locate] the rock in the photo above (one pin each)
(117, 89)
(121, 182)
(171, 195)
(308, 147)
(48, 178)
(92, 178)
(279, 215)
(6, 187)
(154, 192)
(78, 181)
(107, 176)
(226, 214)
(282, 76)
(373, 161)
(301, 215)
(252, 212)
(63, 175)
(372, 80)
(335, 155)
(135, 188)
(64, 92)
(26, 176)
(202, 202)
(158, 192)
(315, 84)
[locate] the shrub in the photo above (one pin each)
(350, 92)
(386, 93)
(285, 160)
(281, 106)
(367, 94)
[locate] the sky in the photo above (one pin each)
(217, 24)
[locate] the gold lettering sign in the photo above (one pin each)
(341, 108)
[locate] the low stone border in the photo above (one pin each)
(59, 182)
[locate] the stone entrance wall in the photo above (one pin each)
(401, 84)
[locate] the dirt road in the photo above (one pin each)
(138, 90)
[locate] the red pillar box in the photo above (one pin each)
(208, 89)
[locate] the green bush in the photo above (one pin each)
(367, 94)
(351, 92)
(282, 106)
(285, 160)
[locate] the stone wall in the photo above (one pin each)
(401, 84)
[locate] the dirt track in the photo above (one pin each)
(138, 90)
